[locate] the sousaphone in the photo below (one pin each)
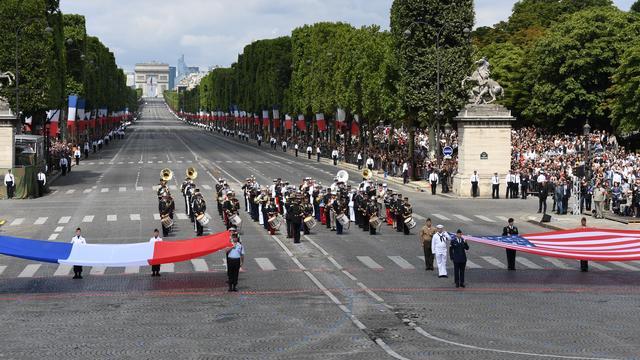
(166, 174)
(192, 173)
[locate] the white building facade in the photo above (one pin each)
(152, 78)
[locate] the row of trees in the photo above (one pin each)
(56, 58)
(561, 63)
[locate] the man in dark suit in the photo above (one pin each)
(510, 230)
(458, 254)
(566, 194)
(543, 193)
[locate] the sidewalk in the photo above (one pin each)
(566, 222)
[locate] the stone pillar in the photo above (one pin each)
(7, 136)
(484, 144)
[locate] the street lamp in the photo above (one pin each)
(439, 113)
(18, 32)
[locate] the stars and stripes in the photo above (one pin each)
(578, 244)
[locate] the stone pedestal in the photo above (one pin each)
(7, 136)
(484, 144)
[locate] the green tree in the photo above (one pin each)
(636, 6)
(416, 52)
(625, 91)
(75, 35)
(570, 68)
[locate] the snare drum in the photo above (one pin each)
(203, 219)
(375, 222)
(236, 220)
(275, 222)
(310, 221)
(409, 222)
(166, 222)
(343, 219)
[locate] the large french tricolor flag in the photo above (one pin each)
(322, 124)
(137, 254)
(73, 106)
(578, 244)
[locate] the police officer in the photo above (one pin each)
(155, 269)
(295, 147)
(42, 182)
(458, 254)
(79, 240)
(235, 259)
(309, 151)
(510, 230)
(334, 156)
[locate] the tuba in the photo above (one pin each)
(367, 174)
(192, 173)
(166, 174)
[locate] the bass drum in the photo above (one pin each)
(310, 221)
(409, 222)
(343, 219)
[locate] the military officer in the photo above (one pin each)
(458, 255)
(510, 230)
(439, 246)
(426, 234)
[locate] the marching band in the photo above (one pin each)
(301, 208)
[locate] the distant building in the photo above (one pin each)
(172, 77)
(152, 78)
(193, 70)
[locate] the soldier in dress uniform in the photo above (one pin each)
(271, 211)
(426, 234)
(406, 211)
(78, 239)
(155, 269)
(458, 255)
(289, 216)
(235, 259)
(510, 230)
(296, 220)
(399, 205)
(307, 210)
(371, 211)
(199, 206)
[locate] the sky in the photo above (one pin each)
(213, 32)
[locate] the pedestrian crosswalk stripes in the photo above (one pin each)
(472, 265)
(599, 266)
(132, 269)
(29, 270)
(462, 217)
(139, 188)
(495, 262)
(86, 191)
(199, 265)
(58, 228)
(69, 192)
(528, 263)
(156, 216)
(104, 190)
(64, 220)
(557, 263)
(482, 217)
(625, 265)
(112, 218)
(265, 264)
(402, 263)
(40, 221)
(97, 270)
(87, 219)
(62, 270)
(122, 189)
(17, 222)
(369, 262)
(168, 268)
(441, 217)
(134, 217)
(53, 237)
(2, 269)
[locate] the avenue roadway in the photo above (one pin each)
(332, 297)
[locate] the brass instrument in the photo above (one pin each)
(166, 174)
(367, 174)
(192, 173)
(342, 176)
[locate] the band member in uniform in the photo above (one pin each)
(406, 213)
(289, 215)
(307, 210)
(167, 207)
(338, 209)
(364, 215)
(186, 183)
(426, 234)
(235, 259)
(271, 211)
(199, 206)
(78, 239)
(10, 183)
(155, 269)
(296, 220)
(398, 214)
(372, 210)
(328, 204)
(458, 255)
(510, 230)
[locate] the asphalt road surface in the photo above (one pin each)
(353, 296)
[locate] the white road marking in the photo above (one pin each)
(528, 263)
(29, 270)
(404, 264)
(503, 218)
(69, 192)
(2, 268)
(58, 228)
(599, 266)
(134, 217)
(86, 191)
(206, 187)
(167, 268)
(472, 265)
(418, 217)
(462, 217)
(625, 265)
(156, 216)
(120, 162)
(441, 217)
(149, 162)
(87, 219)
(98, 270)
(63, 270)
(122, 189)
(139, 188)
(481, 217)
(132, 269)
(557, 263)
(130, 162)
(17, 222)
(200, 265)
(367, 261)
(53, 236)
(179, 161)
(64, 220)
(112, 217)
(265, 264)
(104, 190)
(182, 216)
(40, 221)
(495, 262)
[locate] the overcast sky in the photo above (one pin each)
(213, 32)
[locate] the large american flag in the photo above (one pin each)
(578, 244)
